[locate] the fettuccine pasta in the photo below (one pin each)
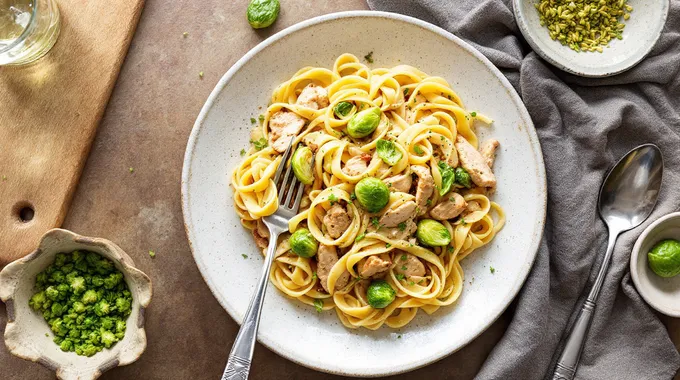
(398, 191)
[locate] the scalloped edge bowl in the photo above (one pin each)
(29, 337)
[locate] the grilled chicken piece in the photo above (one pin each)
(357, 164)
(374, 266)
(326, 258)
(472, 161)
(336, 221)
(425, 187)
(392, 218)
(401, 183)
(284, 126)
(449, 207)
(313, 96)
(488, 151)
(408, 265)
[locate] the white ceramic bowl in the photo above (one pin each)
(639, 36)
(28, 336)
(663, 294)
(218, 240)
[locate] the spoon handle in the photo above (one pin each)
(571, 353)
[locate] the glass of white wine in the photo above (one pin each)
(28, 30)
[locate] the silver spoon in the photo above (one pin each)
(627, 197)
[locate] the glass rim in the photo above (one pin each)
(26, 30)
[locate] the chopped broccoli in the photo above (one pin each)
(78, 307)
(66, 345)
(107, 323)
(108, 338)
(60, 259)
(59, 328)
(97, 281)
(85, 300)
(112, 280)
(68, 268)
(41, 280)
(57, 277)
(89, 297)
(57, 309)
(81, 265)
(123, 305)
(52, 293)
(78, 285)
(37, 301)
(102, 308)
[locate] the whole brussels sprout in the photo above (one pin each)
(463, 177)
(432, 233)
(262, 13)
(302, 243)
(380, 294)
(302, 165)
(364, 123)
(372, 193)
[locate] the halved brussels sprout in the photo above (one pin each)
(448, 177)
(364, 123)
(388, 151)
(463, 177)
(343, 109)
(432, 233)
(380, 294)
(302, 165)
(302, 243)
(372, 193)
(664, 258)
(262, 13)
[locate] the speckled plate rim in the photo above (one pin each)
(537, 234)
(579, 69)
(634, 257)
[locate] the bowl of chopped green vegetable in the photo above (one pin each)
(591, 38)
(76, 305)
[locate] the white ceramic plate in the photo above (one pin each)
(217, 239)
(663, 294)
(639, 36)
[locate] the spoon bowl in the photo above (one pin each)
(631, 188)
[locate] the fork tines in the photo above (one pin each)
(288, 184)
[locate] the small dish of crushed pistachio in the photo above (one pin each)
(591, 38)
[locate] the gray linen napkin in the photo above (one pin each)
(585, 126)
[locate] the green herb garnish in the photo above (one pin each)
(318, 305)
(260, 144)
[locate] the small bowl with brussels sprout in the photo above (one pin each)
(655, 264)
(76, 305)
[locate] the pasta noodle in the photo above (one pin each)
(433, 140)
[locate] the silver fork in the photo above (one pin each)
(238, 365)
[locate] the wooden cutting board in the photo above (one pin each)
(49, 112)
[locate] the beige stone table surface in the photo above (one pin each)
(148, 120)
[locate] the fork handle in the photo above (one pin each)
(238, 364)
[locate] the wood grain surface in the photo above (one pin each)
(146, 126)
(49, 112)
